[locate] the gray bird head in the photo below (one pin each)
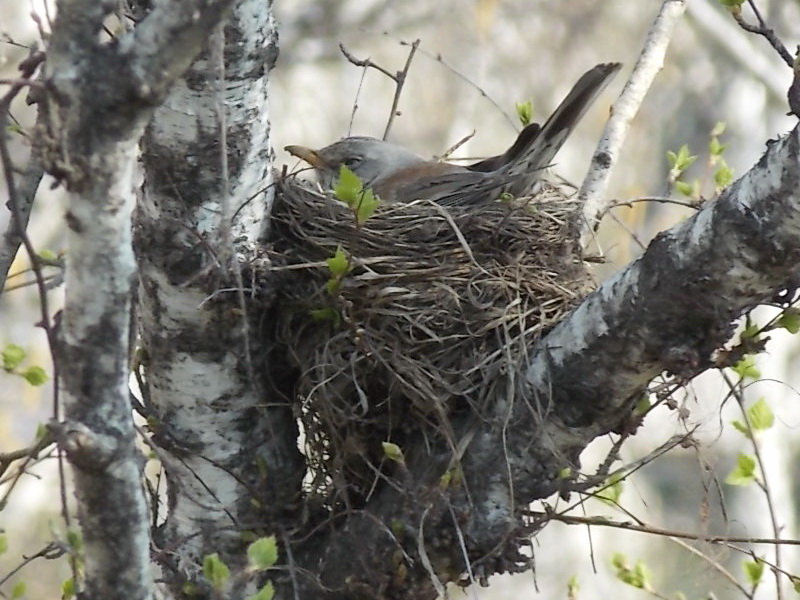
(369, 158)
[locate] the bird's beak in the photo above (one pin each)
(312, 157)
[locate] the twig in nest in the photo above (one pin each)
(398, 77)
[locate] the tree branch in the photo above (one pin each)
(593, 191)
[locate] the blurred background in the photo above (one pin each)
(476, 59)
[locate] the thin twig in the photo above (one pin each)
(761, 29)
(593, 190)
(400, 79)
(763, 484)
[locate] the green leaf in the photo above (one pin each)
(760, 415)
(75, 540)
(746, 368)
(265, 593)
(745, 471)
(67, 589)
(524, 111)
(565, 473)
(690, 190)
(642, 406)
(327, 314)
(714, 146)
(751, 331)
(348, 187)
(216, 571)
(682, 160)
(719, 128)
(753, 569)
(639, 576)
(3, 543)
(48, 256)
(795, 583)
(18, 591)
(12, 355)
(366, 206)
(790, 320)
(393, 452)
(612, 490)
(731, 3)
(263, 553)
(35, 375)
(741, 427)
(723, 176)
(338, 263)
(573, 587)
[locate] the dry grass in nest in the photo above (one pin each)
(438, 306)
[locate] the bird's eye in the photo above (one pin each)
(352, 161)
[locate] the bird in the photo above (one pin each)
(397, 174)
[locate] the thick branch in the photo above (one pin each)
(94, 113)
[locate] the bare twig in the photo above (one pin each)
(20, 199)
(762, 30)
(398, 77)
(401, 80)
(593, 191)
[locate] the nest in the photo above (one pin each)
(437, 308)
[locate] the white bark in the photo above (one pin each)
(206, 355)
(96, 106)
(593, 192)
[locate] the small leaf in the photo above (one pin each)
(348, 187)
(741, 427)
(760, 415)
(263, 553)
(753, 569)
(524, 112)
(565, 473)
(18, 591)
(795, 583)
(35, 375)
(216, 571)
(715, 148)
(642, 406)
(327, 314)
(682, 160)
(366, 206)
(751, 331)
(745, 471)
(790, 320)
(67, 589)
(48, 256)
(731, 3)
(690, 190)
(719, 128)
(265, 593)
(338, 263)
(75, 540)
(723, 176)
(573, 587)
(638, 576)
(612, 490)
(747, 368)
(12, 355)
(393, 452)
(3, 543)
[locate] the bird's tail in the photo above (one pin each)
(525, 167)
